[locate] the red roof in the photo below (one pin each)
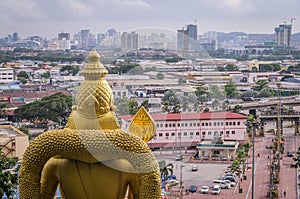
(191, 116)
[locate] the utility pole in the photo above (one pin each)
(180, 183)
(253, 134)
(278, 128)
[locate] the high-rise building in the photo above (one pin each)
(192, 32)
(64, 42)
(283, 35)
(15, 37)
(182, 39)
(129, 41)
(84, 38)
(100, 37)
(186, 39)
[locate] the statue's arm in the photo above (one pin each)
(49, 178)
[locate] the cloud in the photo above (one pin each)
(20, 10)
(133, 3)
(233, 3)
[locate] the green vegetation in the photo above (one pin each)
(126, 106)
(171, 102)
(41, 55)
(69, 70)
(174, 60)
(231, 90)
(202, 92)
(55, 108)
(160, 76)
(165, 169)
(8, 176)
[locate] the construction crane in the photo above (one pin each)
(291, 20)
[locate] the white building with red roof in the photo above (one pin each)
(189, 129)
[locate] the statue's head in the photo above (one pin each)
(94, 101)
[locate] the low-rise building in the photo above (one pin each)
(184, 130)
(13, 142)
(6, 75)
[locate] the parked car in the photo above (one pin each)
(216, 190)
(206, 157)
(263, 101)
(204, 189)
(230, 178)
(290, 154)
(232, 184)
(192, 189)
(178, 157)
(194, 167)
(172, 182)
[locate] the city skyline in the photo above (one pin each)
(49, 18)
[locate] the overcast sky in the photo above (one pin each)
(49, 17)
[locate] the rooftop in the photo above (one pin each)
(9, 131)
(191, 116)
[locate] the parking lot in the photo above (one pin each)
(206, 173)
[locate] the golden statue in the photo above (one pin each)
(92, 157)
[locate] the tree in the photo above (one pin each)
(46, 75)
(23, 74)
(55, 108)
(215, 92)
(171, 102)
(215, 103)
(181, 80)
(165, 169)
(297, 159)
(237, 108)
(261, 84)
(160, 76)
(22, 79)
(231, 90)
(136, 70)
(126, 106)
(231, 67)
(69, 70)
(8, 176)
(236, 164)
(265, 92)
(202, 92)
(249, 93)
(26, 131)
(3, 110)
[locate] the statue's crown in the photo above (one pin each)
(94, 97)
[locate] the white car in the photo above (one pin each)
(263, 101)
(216, 190)
(204, 189)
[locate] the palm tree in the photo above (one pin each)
(165, 169)
(236, 165)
